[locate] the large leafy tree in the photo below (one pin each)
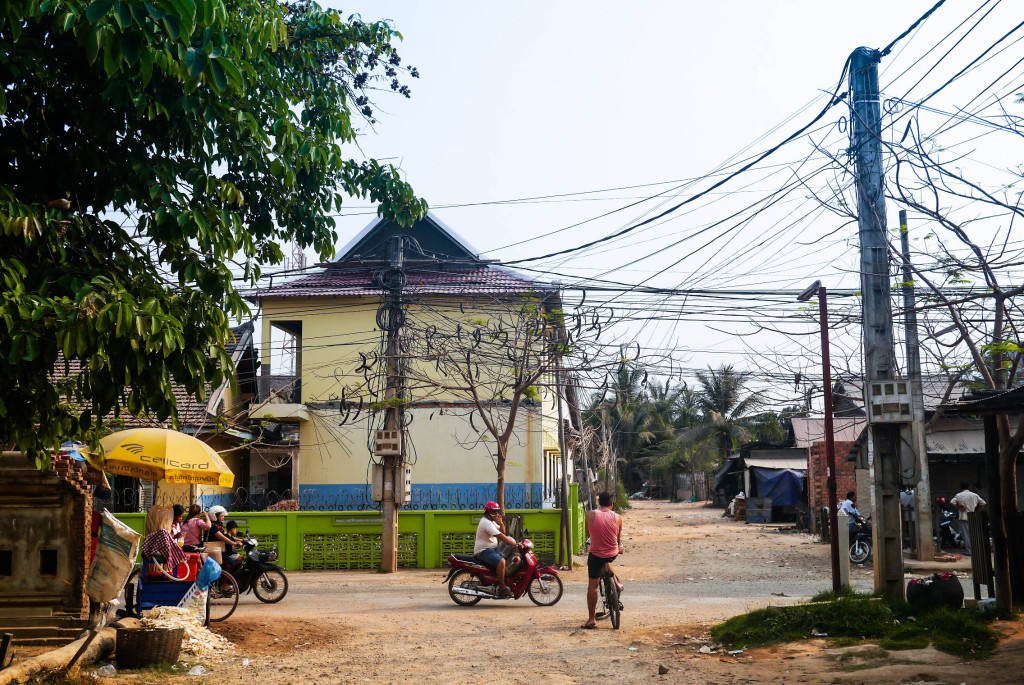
(726, 410)
(217, 130)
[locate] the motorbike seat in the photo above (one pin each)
(466, 557)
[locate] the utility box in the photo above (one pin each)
(888, 401)
(381, 489)
(388, 443)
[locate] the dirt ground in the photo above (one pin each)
(685, 569)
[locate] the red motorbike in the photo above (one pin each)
(469, 580)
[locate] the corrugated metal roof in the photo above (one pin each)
(956, 442)
(811, 430)
(794, 463)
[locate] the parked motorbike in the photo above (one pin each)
(860, 541)
(949, 526)
(258, 574)
(470, 581)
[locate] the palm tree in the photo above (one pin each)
(726, 411)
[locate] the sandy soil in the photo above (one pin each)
(684, 569)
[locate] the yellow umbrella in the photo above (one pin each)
(161, 454)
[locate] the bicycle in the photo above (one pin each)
(609, 592)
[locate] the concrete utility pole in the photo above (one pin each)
(566, 546)
(390, 442)
(607, 450)
(914, 433)
(879, 352)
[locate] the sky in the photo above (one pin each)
(542, 99)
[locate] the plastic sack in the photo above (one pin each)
(209, 572)
(116, 551)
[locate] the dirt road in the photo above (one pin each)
(684, 569)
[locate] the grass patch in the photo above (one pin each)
(850, 618)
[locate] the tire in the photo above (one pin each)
(860, 550)
(464, 579)
(222, 602)
(547, 598)
(271, 586)
(133, 592)
(611, 594)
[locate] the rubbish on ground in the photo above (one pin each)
(704, 649)
(198, 642)
(245, 662)
(815, 633)
(734, 652)
(948, 557)
(662, 669)
(105, 671)
(197, 670)
(634, 649)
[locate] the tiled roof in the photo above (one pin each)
(354, 279)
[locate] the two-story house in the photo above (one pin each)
(334, 388)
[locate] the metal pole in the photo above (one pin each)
(830, 442)
(924, 546)
(607, 450)
(879, 350)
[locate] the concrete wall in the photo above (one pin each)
(447, 453)
(44, 517)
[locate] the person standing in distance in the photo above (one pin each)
(967, 501)
(604, 528)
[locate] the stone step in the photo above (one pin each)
(24, 635)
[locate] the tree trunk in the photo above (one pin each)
(500, 489)
(1001, 569)
(1011, 524)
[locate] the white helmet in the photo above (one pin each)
(216, 510)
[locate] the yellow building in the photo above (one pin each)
(334, 390)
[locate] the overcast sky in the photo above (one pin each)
(539, 99)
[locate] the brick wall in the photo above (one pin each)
(817, 493)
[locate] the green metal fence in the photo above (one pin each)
(350, 540)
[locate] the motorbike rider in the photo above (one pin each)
(490, 530)
(849, 506)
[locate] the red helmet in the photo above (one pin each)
(940, 500)
(492, 506)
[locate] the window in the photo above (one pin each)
(6, 562)
(47, 562)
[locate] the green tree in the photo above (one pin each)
(726, 411)
(218, 128)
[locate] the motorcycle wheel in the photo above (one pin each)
(271, 586)
(860, 550)
(466, 579)
(545, 597)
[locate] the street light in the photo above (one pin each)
(830, 446)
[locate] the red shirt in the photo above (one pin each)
(604, 534)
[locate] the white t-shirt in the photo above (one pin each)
(968, 500)
(486, 535)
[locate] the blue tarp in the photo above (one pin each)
(784, 486)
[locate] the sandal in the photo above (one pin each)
(588, 626)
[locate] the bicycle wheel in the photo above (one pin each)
(271, 586)
(545, 590)
(223, 597)
(612, 600)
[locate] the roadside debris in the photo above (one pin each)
(662, 669)
(198, 642)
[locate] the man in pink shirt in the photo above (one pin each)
(604, 528)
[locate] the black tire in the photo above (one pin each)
(271, 586)
(223, 597)
(464, 579)
(860, 550)
(542, 597)
(611, 594)
(131, 591)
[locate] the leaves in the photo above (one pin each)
(218, 133)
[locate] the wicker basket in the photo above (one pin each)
(141, 647)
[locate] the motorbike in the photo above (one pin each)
(258, 574)
(860, 541)
(949, 527)
(470, 581)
